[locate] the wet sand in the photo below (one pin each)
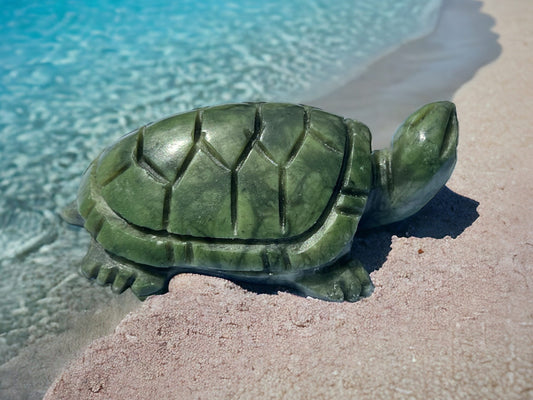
(452, 313)
(429, 69)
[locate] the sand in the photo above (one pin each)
(452, 313)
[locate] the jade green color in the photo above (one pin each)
(263, 192)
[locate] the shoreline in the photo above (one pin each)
(428, 69)
(336, 82)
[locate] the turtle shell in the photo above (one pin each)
(253, 188)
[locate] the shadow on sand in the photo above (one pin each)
(447, 214)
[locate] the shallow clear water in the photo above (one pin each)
(75, 76)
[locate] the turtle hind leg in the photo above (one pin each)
(345, 280)
(121, 274)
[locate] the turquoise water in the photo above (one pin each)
(74, 76)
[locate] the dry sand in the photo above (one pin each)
(452, 314)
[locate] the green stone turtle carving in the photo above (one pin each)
(262, 192)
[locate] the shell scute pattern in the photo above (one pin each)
(274, 199)
(198, 171)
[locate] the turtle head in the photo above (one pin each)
(418, 164)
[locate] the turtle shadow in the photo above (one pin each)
(447, 214)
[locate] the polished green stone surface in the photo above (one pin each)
(267, 192)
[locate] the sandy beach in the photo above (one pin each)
(452, 313)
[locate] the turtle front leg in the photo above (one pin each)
(121, 274)
(345, 280)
